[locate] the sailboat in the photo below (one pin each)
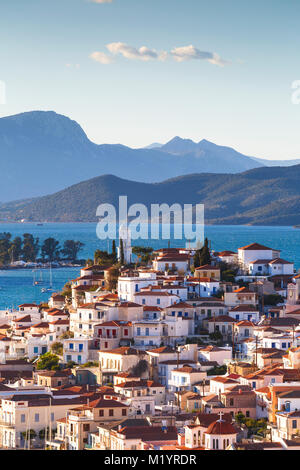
(37, 282)
(50, 288)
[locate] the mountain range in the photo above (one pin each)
(262, 196)
(44, 152)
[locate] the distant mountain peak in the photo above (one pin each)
(43, 152)
(47, 123)
(178, 139)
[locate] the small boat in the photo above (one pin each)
(48, 289)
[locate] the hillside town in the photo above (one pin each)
(182, 350)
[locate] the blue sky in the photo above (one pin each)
(143, 71)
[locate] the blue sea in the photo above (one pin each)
(16, 286)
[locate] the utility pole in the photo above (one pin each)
(178, 352)
(256, 344)
(293, 334)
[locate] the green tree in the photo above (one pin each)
(4, 248)
(29, 434)
(197, 262)
(142, 252)
(48, 361)
(50, 249)
(121, 252)
(57, 348)
(103, 258)
(114, 251)
(216, 336)
(240, 418)
(71, 249)
(15, 249)
(67, 334)
(202, 256)
(70, 364)
(30, 247)
(273, 299)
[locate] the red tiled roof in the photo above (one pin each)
(256, 247)
(221, 428)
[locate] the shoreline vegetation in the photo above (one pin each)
(27, 251)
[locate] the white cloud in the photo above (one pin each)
(132, 53)
(102, 58)
(101, 1)
(145, 54)
(181, 54)
(76, 66)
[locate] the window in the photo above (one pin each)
(101, 413)
(86, 427)
(37, 417)
(23, 418)
(52, 417)
(124, 412)
(247, 414)
(111, 412)
(294, 424)
(158, 301)
(36, 350)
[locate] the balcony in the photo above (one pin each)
(7, 424)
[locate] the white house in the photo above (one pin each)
(275, 267)
(172, 262)
(215, 354)
(129, 286)
(245, 312)
(183, 378)
(149, 333)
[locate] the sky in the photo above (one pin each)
(142, 71)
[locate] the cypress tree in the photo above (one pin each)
(114, 251)
(121, 251)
